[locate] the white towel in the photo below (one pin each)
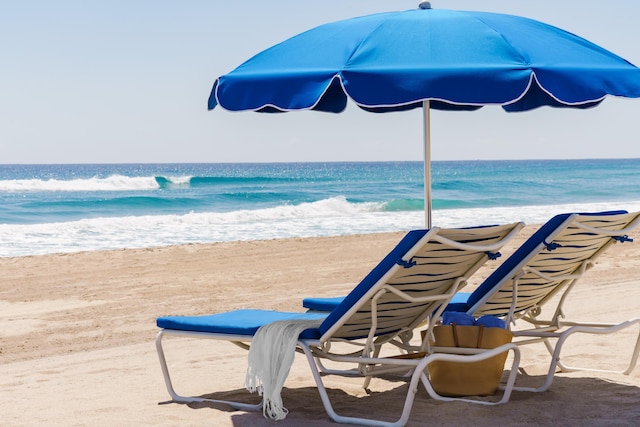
(270, 359)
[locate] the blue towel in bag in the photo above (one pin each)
(464, 319)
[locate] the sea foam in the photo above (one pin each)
(328, 217)
(111, 183)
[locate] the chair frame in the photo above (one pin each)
(556, 328)
(367, 359)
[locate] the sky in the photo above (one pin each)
(127, 81)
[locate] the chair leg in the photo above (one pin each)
(634, 357)
(598, 330)
(355, 420)
(191, 399)
(601, 331)
(418, 375)
(367, 378)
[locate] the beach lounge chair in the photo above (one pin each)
(540, 273)
(413, 283)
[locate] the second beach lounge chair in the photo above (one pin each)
(413, 283)
(541, 273)
(547, 265)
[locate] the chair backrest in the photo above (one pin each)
(414, 280)
(549, 262)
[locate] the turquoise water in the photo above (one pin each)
(67, 208)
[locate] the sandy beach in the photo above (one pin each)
(77, 337)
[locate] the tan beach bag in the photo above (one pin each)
(457, 379)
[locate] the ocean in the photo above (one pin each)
(69, 208)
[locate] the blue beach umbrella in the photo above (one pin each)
(428, 58)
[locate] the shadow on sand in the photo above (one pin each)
(569, 401)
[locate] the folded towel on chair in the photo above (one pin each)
(270, 359)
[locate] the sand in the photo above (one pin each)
(77, 338)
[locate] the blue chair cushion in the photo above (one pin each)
(322, 304)
(459, 302)
(239, 322)
(247, 321)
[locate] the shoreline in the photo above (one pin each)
(210, 228)
(191, 244)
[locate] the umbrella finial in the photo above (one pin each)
(424, 5)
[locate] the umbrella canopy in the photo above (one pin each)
(429, 58)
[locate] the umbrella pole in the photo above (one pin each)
(427, 163)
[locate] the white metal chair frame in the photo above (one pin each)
(369, 366)
(367, 359)
(556, 328)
